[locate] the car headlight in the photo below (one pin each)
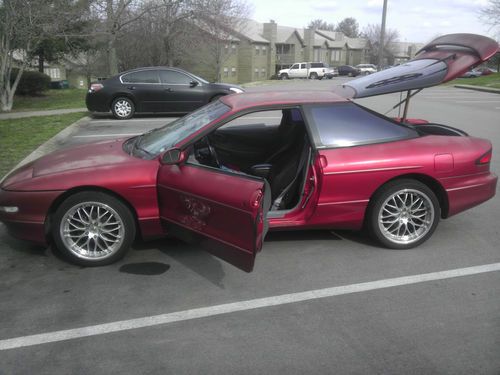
(236, 90)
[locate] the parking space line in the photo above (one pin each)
(477, 101)
(204, 312)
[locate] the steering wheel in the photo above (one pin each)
(213, 154)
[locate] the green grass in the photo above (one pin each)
(51, 99)
(19, 137)
(490, 81)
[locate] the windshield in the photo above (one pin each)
(161, 139)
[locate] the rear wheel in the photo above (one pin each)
(313, 75)
(123, 108)
(403, 214)
(93, 229)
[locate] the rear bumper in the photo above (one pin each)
(470, 191)
(97, 102)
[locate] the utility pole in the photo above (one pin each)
(382, 37)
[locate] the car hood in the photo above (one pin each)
(225, 86)
(80, 165)
(443, 59)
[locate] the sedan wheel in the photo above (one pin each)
(404, 214)
(123, 108)
(93, 229)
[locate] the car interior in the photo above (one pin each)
(269, 144)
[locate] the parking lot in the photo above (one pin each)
(318, 302)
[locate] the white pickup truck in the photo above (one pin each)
(312, 70)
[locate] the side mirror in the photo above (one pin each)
(193, 83)
(173, 156)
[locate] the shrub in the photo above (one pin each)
(31, 83)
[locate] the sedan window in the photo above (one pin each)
(145, 76)
(175, 78)
(347, 124)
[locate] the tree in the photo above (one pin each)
(159, 37)
(491, 14)
(349, 26)
(220, 19)
(24, 24)
(319, 24)
(372, 33)
(112, 18)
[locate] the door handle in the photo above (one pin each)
(168, 90)
(131, 87)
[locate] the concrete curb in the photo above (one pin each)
(52, 112)
(51, 144)
(478, 88)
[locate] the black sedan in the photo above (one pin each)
(348, 70)
(154, 90)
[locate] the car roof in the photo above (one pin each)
(270, 98)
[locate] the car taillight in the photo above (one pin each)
(94, 87)
(485, 158)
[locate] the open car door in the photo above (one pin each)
(443, 59)
(225, 212)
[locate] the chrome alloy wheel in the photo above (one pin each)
(92, 231)
(122, 108)
(406, 216)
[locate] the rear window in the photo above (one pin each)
(347, 124)
(145, 76)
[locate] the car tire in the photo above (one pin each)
(123, 108)
(284, 76)
(403, 214)
(313, 75)
(93, 229)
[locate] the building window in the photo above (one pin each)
(226, 72)
(54, 73)
(257, 50)
(264, 50)
(256, 73)
(263, 73)
(336, 55)
(233, 72)
(283, 49)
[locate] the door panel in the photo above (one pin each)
(224, 212)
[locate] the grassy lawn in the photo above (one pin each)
(491, 81)
(51, 99)
(19, 137)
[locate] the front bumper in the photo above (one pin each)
(29, 222)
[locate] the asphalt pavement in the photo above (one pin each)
(318, 302)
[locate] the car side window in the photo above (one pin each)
(347, 124)
(174, 78)
(295, 66)
(145, 76)
(302, 66)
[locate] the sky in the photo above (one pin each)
(416, 21)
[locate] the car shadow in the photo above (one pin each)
(302, 235)
(190, 256)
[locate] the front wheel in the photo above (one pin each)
(284, 76)
(403, 214)
(123, 108)
(93, 228)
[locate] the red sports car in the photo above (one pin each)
(227, 172)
